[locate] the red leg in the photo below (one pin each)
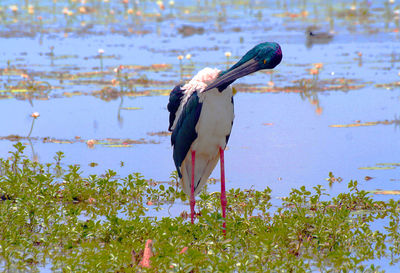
(223, 194)
(192, 201)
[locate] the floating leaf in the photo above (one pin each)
(353, 125)
(162, 133)
(389, 86)
(118, 145)
(386, 192)
(381, 166)
(93, 164)
(376, 168)
(388, 164)
(70, 94)
(131, 108)
(63, 57)
(19, 90)
(359, 124)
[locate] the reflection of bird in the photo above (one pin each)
(314, 37)
(201, 118)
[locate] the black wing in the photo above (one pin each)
(174, 100)
(185, 130)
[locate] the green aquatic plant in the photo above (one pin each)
(56, 217)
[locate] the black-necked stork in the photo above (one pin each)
(201, 119)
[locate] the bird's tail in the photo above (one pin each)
(204, 165)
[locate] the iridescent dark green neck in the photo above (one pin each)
(263, 56)
(251, 54)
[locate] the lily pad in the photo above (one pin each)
(386, 192)
(388, 164)
(376, 168)
(118, 145)
(381, 166)
(131, 108)
(360, 124)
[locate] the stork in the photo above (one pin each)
(201, 119)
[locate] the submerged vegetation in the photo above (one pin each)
(54, 217)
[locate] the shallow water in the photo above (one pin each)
(282, 135)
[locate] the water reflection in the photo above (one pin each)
(119, 117)
(35, 156)
(312, 97)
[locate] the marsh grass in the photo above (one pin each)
(54, 216)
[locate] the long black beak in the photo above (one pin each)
(226, 79)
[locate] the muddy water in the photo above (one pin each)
(332, 105)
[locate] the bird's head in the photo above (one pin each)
(263, 56)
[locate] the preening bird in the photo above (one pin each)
(201, 119)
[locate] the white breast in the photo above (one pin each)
(215, 121)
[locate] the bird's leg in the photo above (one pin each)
(192, 201)
(223, 194)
